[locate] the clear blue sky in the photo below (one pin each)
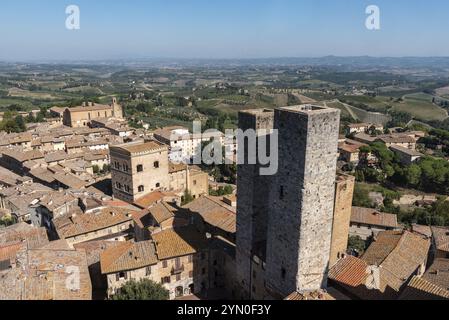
(31, 29)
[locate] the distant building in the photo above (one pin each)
(367, 222)
(363, 128)
(406, 155)
(83, 115)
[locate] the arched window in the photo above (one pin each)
(141, 188)
(158, 185)
(156, 164)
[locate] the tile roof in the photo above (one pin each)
(421, 229)
(438, 273)
(68, 227)
(152, 198)
(214, 212)
(70, 180)
(313, 295)
(383, 245)
(43, 275)
(128, 256)
(350, 271)
(178, 242)
(23, 232)
(441, 238)
(138, 148)
(398, 254)
(421, 289)
(161, 212)
(373, 217)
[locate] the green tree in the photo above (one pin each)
(357, 244)
(143, 290)
(96, 169)
(186, 198)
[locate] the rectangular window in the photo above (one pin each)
(148, 271)
(178, 277)
(164, 264)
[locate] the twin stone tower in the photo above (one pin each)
(285, 220)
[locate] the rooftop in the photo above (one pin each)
(373, 217)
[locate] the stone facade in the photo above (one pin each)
(181, 276)
(300, 221)
(138, 169)
(292, 210)
(344, 191)
(83, 115)
(253, 203)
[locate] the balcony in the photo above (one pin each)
(177, 270)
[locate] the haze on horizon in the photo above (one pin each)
(232, 29)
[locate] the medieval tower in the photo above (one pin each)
(302, 199)
(117, 110)
(291, 210)
(253, 194)
(344, 191)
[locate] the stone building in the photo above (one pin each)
(138, 169)
(293, 209)
(83, 115)
(176, 258)
(142, 168)
(253, 204)
(344, 191)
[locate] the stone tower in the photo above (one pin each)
(253, 193)
(302, 199)
(344, 191)
(117, 110)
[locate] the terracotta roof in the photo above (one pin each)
(399, 254)
(128, 256)
(350, 271)
(172, 167)
(214, 212)
(137, 148)
(68, 227)
(151, 198)
(373, 217)
(441, 238)
(20, 232)
(161, 212)
(410, 152)
(9, 251)
(178, 242)
(423, 230)
(421, 289)
(396, 138)
(95, 107)
(42, 275)
(313, 295)
(438, 273)
(70, 180)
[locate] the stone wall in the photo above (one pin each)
(252, 202)
(344, 191)
(302, 199)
